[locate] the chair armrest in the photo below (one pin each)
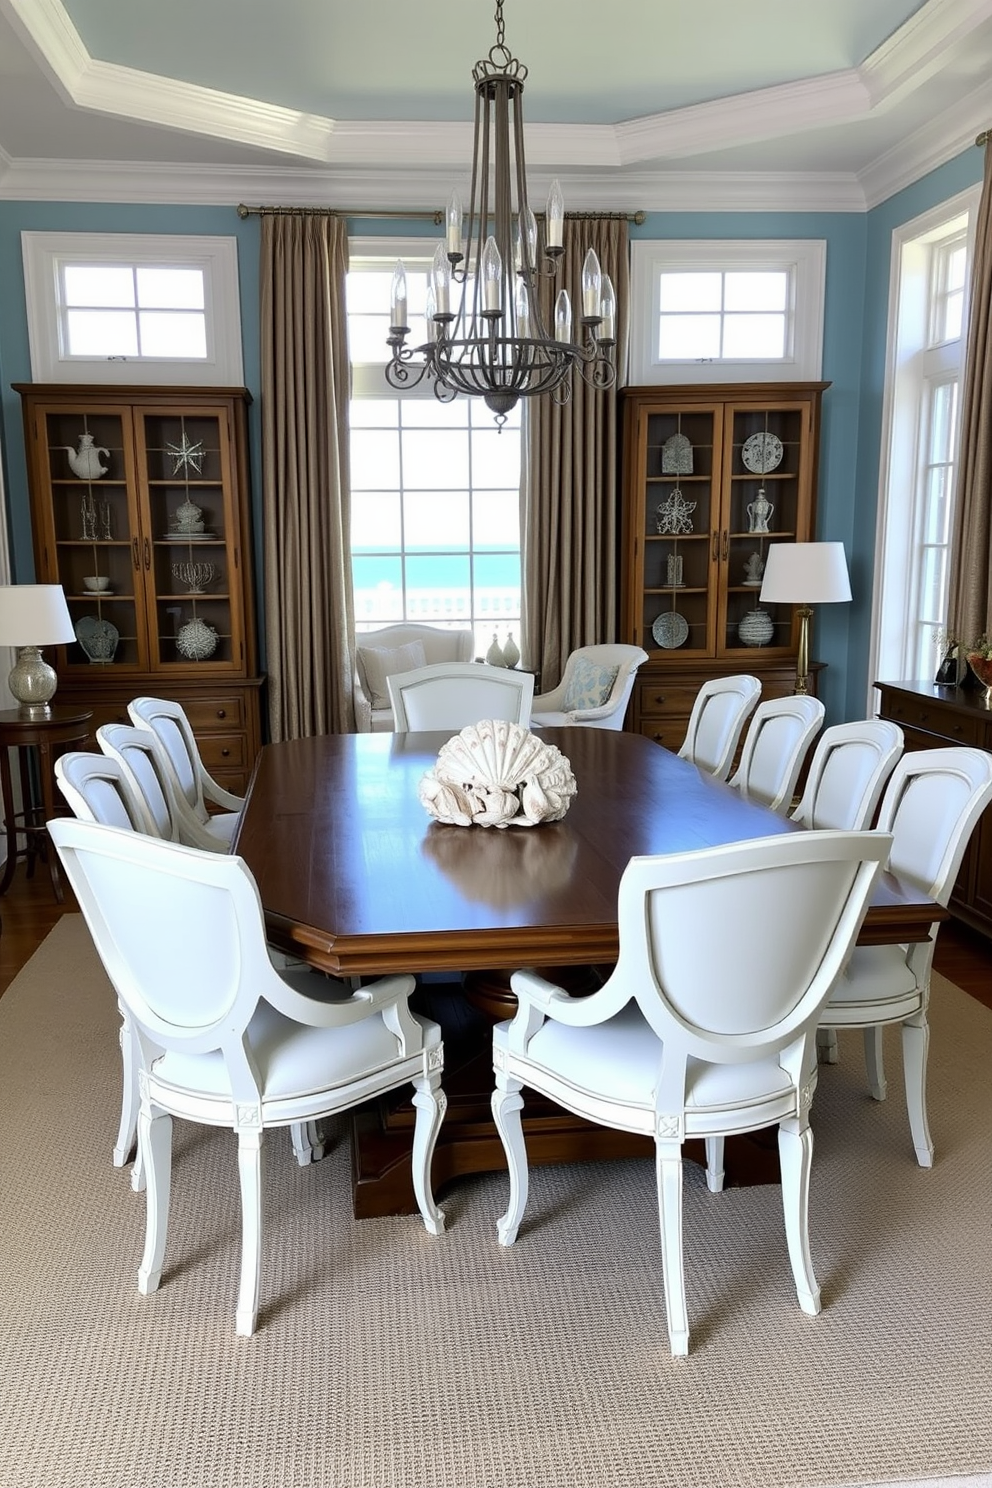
(583, 715)
(363, 709)
(323, 1002)
(579, 1012)
(221, 797)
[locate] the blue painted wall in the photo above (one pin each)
(857, 288)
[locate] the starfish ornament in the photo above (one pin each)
(187, 456)
(674, 515)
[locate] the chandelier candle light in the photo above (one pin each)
(494, 344)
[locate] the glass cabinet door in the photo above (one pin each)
(767, 486)
(680, 462)
(189, 545)
(95, 532)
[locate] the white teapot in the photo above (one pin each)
(85, 461)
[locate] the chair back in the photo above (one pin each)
(732, 951)
(97, 790)
(777, 741)
(719, 713)
(608, 714)
(168, 722)
(451, 695)
(850, 766)
(931, 805)
(137, 752)
(175, 929)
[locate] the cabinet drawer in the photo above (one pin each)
(662, 700)
(667, 731)
(216, 712)
(953, 727)
(222, 751)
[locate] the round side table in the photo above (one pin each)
(49, 737)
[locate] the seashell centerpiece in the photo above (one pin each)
(497, 774)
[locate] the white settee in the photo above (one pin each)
(373, 665)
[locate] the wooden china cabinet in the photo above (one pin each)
(712, 476)
(140, 510)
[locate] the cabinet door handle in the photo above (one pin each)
(134, 551)
(716, 546)
(148, 554)
(726, 544)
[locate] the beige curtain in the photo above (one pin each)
(970, 605)
(305, 477)
(569, 485)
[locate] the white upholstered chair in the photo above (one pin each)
(931, 806)
(224, 1038)
(142, 760)
(594, 690)
(721, 709)
(396, 648)
(192, 784)
(455, 693)
(777, 741)
(697, 1034)
(847, 774)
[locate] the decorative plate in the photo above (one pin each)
(762, 453)
(191, 537)
(671, 630)
(98, 638)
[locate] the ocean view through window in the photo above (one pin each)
(435, 508)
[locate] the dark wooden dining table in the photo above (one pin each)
(357, 879)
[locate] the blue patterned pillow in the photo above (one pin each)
(589, 685)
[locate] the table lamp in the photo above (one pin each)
(32, 616)
(805, 574)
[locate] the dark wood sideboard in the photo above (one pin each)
(931, 716)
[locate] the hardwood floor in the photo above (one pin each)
(28, 911)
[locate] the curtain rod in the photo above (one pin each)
(436, 217)
(984, 137)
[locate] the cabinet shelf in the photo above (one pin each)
(137, 502)
(714, 560)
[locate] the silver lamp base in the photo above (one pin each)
(33, 682)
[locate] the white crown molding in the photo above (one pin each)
(926, 149)
(398, 189)
(901, 63)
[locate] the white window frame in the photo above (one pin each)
(44, 254)
(803, 259)
(913, 368)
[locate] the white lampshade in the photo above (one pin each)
(32, 616)
(806, 574)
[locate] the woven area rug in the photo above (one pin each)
(388, 1359)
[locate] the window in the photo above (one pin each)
(927, 319)
(117, 308)
(714, 311)
(435, 511)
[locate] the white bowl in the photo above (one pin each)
(97, 584)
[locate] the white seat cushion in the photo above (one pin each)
(292, 1059)
(873, 974)
(619, 1060)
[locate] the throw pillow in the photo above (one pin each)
(374, 666)
(589, 685)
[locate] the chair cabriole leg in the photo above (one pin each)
(507, 1104)
(915, 1048)
(155, 1147)
(250, 1174)
(875, 1060)
(431, 1103)
(795, 1153)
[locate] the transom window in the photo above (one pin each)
(726, 311)
(435, 509)
(121, 307)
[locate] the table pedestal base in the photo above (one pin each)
(382, 1132)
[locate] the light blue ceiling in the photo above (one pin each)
(412, 59)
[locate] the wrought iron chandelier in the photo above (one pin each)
(494, 344)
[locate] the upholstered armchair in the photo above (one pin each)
(594, 689)
(398, 648)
